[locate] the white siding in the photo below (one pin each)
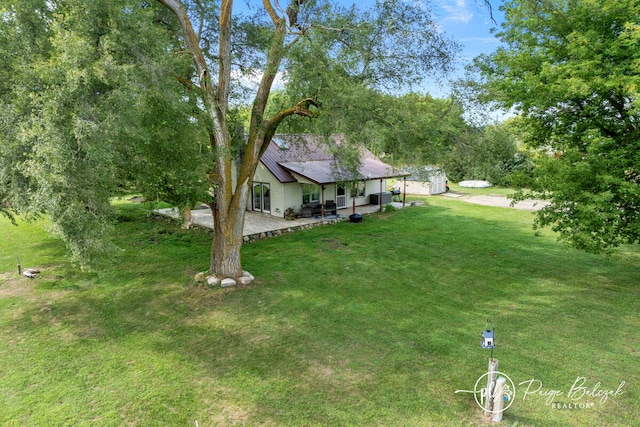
(437, 184)
(289, 195)
(329, 193)
(373, 187)
(292, 196)
(276, 188)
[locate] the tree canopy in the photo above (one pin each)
(571, 69)
(101, 98)
(91, 109)
(490, 153)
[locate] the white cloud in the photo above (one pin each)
(480, 40)
(252, 79)
(456, 11)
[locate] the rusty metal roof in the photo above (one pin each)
(305, 155)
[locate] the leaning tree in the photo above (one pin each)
(389, 45)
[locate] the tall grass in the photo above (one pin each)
(375, 323)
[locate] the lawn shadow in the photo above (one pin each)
(381, 319)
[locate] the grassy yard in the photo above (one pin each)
(375, 323)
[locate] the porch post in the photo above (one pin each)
(380, 198)
(322, 187)
(404, 193)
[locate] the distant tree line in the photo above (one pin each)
(419, 130)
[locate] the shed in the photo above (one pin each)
(426, 180)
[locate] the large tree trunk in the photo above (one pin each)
(228, 225)
(228, 209)
(230, 203)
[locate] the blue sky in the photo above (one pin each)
(468, 22)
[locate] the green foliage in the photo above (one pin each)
(95, 111)
(409, 129)
(571, 70)
(418, 130)
(489, 154)
(369, 47)
(352, 59)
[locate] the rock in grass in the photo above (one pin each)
(228, 282)
(213, 281)
(245, 280)
(31, 273)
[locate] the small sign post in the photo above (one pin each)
(489, 343)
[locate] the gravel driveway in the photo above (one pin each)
(498, 201)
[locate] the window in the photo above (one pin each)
(280, 143)
(310, 193)
(358, 189)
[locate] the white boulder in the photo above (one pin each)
(228, 282)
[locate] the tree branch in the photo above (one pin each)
(202, 13)
(190, 38)
(187, 82)
(224, 59)
(292, 13)
(271, 11)
(487, 3)
(302, 109)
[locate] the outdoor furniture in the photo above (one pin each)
(330, 208)
(374, 198)
(312, 209)
(308, 210)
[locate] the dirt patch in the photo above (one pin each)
(334, 244)
(12, 285)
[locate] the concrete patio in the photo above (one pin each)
(257, 224)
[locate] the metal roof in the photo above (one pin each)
(304, 156)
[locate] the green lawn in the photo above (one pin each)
(494, 190)
(375, 323)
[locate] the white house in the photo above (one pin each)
(299, 174)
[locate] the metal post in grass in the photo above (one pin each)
(489, 342)
(498, 402)
(491, 387)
